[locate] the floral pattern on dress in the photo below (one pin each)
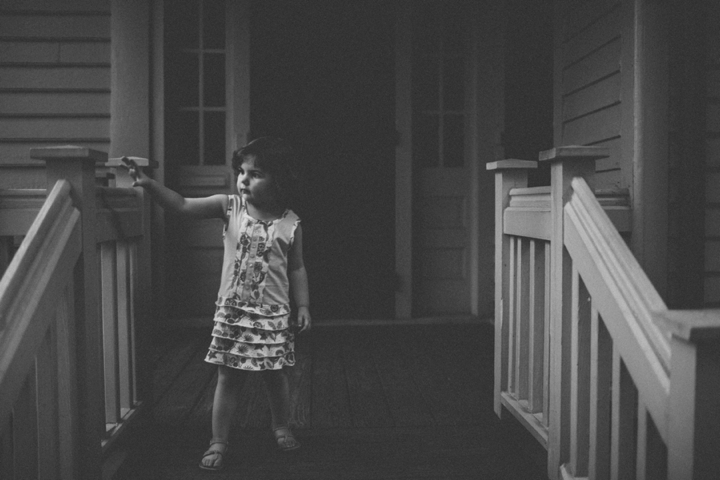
(251, 363)
(251, 307)
(249, 334)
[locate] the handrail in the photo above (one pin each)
(621, 267)
(627, 298)
(34, 279)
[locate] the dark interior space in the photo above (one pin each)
(529, 83)
(322, 77)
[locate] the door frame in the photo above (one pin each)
(482, 142)
(237, 124)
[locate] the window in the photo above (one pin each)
(195, 104)
(439, 66)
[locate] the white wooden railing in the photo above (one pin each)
(587, 356)
(70, 303)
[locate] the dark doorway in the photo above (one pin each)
(322, 77)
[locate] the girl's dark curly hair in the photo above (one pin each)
(275, 156)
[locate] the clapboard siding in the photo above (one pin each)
(590, 129)
(64, 127)
(603, 31)
(78, 26)
(54, 104)
(55, 52)
(592, 98)
(43, 6)
(34, 77)
(589, 81)
(54, 75)
(603, 62)
(613, 161)
(583, 14)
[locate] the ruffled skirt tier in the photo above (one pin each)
(251, 341)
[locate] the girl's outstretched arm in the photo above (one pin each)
(299, 281)
(207, 207)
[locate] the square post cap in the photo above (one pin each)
(574, 152)
(511, 164)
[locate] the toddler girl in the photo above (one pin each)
(263, 263)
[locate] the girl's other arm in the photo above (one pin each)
(299, 281)
(207, 207)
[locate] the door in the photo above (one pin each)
(323, 78)
(442, 171)
(205, 75)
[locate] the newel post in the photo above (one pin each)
(694, 405)
(509, 174)
(143, 314)
(566, 163)
(77, 166)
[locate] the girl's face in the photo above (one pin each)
(255, 184)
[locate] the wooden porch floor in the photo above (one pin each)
(390, 402)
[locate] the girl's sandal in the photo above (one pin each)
(285, 439)
(220, 463)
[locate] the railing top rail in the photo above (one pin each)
(623, 269)
(692, 325)
(31, 246)
(38, 273)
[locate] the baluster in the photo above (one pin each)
(135, 285)
(511, 329)
(6, 448)
(508, 174)
(546, 340)
(651, 451)
(124, 320)
(522, 318)
(24, 430)
(536, 354)
(67, 394)
(47, 410)
(601, 362)
(108, 271)
(624, 407)
(579, 376)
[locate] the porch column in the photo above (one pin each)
(650, 144)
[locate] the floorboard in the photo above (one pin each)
(330, 397)
(399, 402)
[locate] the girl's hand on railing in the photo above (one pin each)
(139, 177)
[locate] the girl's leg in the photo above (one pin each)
(278, 389)
(227, 390)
